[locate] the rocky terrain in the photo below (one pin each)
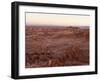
(53, 46)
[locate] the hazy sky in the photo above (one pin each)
(53, 19)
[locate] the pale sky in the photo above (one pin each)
(56, 20)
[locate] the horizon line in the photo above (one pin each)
(59, 25)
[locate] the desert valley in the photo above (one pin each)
(56, 46)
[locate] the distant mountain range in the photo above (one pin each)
(49, 26)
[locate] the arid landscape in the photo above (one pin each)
(56, 46)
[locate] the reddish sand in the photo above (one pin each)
(50, 47)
